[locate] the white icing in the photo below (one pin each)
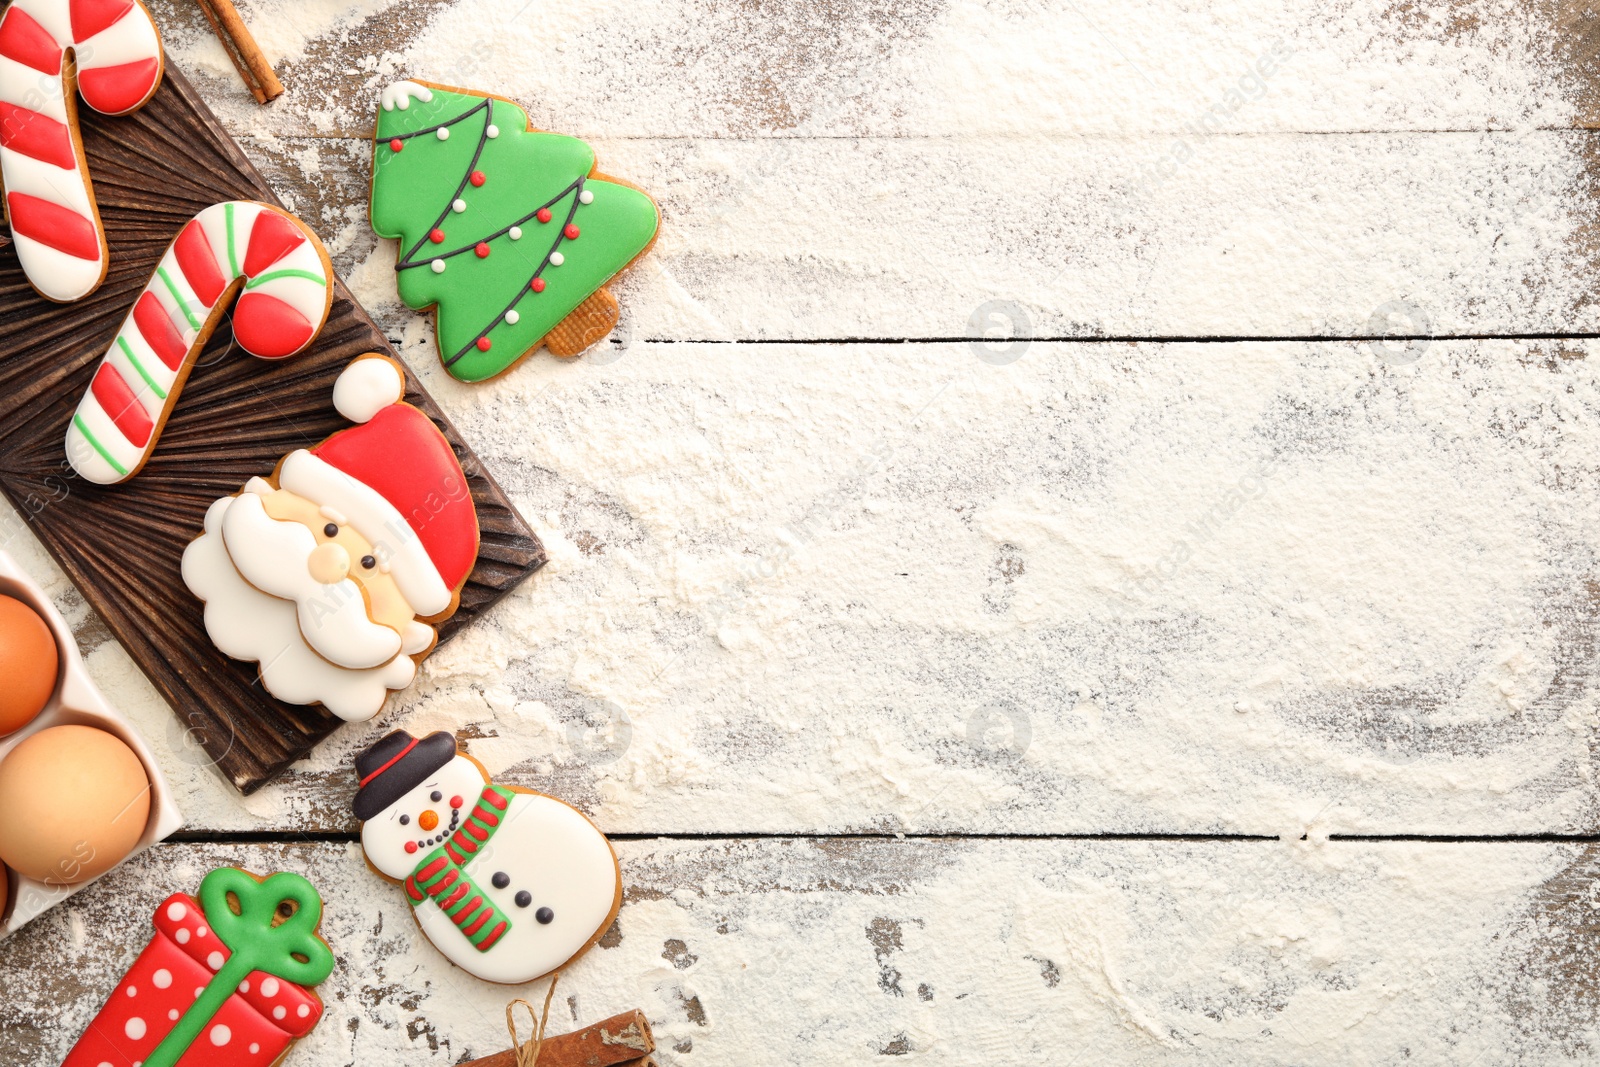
(271, 555)
(53, 15)
(215, 961)
(247, 624)
(491, 131)
(221, 1035)
(181, 937)
(134, 1028)
(547, 849)
(513, 317)
(307, 297)
(458, 206)
(162, 978)
(366, 387)
(586, 197)
(400, 95)
(444, 133)
(515, 233)
(417, 639)
(128, 40)
(269, 987)
(18, 81)
(333, 514)
(176, 911)
(55, 274)
(556, 259)
(259, 486)
(438, 266)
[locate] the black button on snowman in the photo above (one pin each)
(472, 882)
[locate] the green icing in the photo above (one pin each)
(413, 188)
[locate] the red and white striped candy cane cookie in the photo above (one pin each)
(285, 285)
(49, 200)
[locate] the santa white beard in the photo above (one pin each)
(248, 624)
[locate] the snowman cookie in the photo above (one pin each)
(509, 884)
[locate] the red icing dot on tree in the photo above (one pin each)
(538, 285)
(482, 250)
(483, 344)
(477, 178)
(543, 215)
(436, 236)
(396, 144)
(571, 231)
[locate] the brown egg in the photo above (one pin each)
(73, 802)
(28, 663)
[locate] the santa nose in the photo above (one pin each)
(328, 563)
(428, 820)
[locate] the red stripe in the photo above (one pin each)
(427, 873)
(477, 831)
(89, 17)
(36, 136)
(27, 42)
(53, 226)
(119, 402)
(414, 743)
(413, 892)
(495, 800)
(477, 925)
(446, 882)
(483, 814)
(464, 843)
(199, 264)
(450, 850)
(468, 910)
(461, 891)
(158, 332)
(119, 89)
(271, 238)
(487, 943)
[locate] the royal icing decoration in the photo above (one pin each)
(507, 883)
(226, 980)
(281, 273)
(456, 194)
(333, 574)
(116, 65)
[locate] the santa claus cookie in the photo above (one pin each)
(226, 981)
(115, 65)
(332, 573)
(510, 232)
(509, 884)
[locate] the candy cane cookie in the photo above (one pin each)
(285, 284)
(115, 65)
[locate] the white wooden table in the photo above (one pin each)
(1083, 551)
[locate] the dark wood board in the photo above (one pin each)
(237, 417)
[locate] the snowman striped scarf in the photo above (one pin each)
(441, 877)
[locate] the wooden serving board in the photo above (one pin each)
(237, 417)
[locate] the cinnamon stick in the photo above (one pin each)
(248, 59)
(620, 1041)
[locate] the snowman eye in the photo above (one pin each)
(330, 530)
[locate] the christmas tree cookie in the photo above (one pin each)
(510, 232)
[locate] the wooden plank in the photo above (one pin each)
(1248, 588)
(1273, 235)
(956, 952)
(237, 418)
(696, 68)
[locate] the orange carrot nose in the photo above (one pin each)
(428, 819)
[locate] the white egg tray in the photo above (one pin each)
(76, 702)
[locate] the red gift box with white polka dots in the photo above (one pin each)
(254, 1028)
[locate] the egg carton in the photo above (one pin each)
(75, 702)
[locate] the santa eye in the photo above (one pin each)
(369, 562)
(405, 820)
(330, 530)
(437, 796)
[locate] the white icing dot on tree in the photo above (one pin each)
(444, 133)
(215, 961)
(516, 233)
(162, 978)
(438, 266)
(556, 259)
(181, 937)
(492, 132)
(586, 197)
(176, 911)
(220, 1035)
(458, 206)
(513, 317)
(134, 1028)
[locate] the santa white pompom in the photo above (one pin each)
(330, 573)
(509, 884)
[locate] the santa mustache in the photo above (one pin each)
(272, 556)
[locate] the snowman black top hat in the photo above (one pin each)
(394, 765)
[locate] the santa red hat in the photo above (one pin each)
(396, 480)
